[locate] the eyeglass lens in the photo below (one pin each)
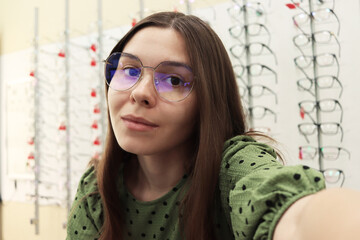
(173, 81)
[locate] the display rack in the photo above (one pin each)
(35, 220)
(318, 121)
(245, 24)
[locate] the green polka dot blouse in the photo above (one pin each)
(254, 191)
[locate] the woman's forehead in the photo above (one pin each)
(155, 44)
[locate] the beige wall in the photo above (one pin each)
(16, 225)
(17, 18)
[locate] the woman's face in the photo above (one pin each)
(143, 122)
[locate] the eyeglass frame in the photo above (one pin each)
(341, 172)
(266, 109)
(311, 37)
(298, 5)
(247, 67)
(317, 106)
(314, 60)
(248, 88)
(154, 71)
(242, 7)
(318, 126)
(317, 82)
(247, 49)
(245, 27)
(339, 149)
(311, 15)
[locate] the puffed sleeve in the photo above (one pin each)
(85, 218)
(256, 189)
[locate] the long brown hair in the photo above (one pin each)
(220, 117)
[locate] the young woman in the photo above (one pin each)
(179, 163)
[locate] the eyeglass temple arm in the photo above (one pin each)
(343, 180)
(307, 140)
(338, 65)
(271, 51)
(276, 100)
(337, 19)
(342, 132)
(341, 109)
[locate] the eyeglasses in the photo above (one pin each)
(255, 49)
(322, 82)
(320, 15)
(173, 81)
(317, 3)
(333, 175)
(254, 69)
(327, 128)
(323, 60)
(252, 29)
(321, 37)
(252, 9)
(259, 112)
(258, 90)
(325, 105)
(327, 152)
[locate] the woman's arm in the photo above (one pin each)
(332, 214)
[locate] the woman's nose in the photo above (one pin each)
(144, 92)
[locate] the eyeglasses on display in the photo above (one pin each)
(255, 49)
(173, 81)
(322, 60)
(252, 29)
(320, 15)
(258, 90)
(322, 82)
(324, 105)
(254, 69)
(333, 175)
(330, 153)
(321, 37)
(252, 9)
(259, 112)
(315, 4)
(326, 128)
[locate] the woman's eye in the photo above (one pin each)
(132, 72)
(175, 81)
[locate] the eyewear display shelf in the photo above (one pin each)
(332, 175)
(252, 26)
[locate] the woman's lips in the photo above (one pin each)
(138, 124)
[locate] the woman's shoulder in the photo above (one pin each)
(86, 215)
(242, 147)
(88, 181)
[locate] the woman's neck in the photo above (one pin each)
(149, 177)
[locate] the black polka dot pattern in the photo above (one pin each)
(253, 187)
(263, 186)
